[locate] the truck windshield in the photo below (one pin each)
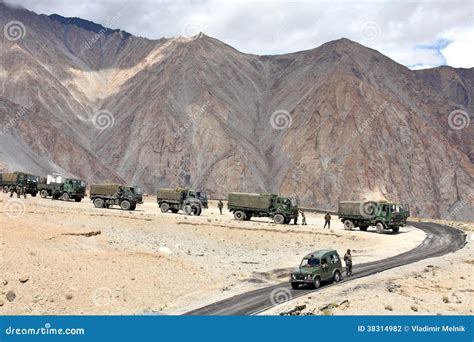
(310, 262)
(201, 195)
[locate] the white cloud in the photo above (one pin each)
(460, 53)
(395, 28)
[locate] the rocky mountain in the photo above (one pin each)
(337, 122)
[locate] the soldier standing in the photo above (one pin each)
(348, 261)
(23, 190)
(12, 190)
(327, 218)
(220, 205)
(303, 218)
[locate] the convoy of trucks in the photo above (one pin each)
(282, 210)
(244, 206)
(191, 202)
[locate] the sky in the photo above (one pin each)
(418, 34)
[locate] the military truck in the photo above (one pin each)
(383, 215)
(55, 187)
(10, 180)
(108, 195)
(191, 202)
(317, 267)
(247, 205)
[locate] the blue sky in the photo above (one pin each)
(418, 34)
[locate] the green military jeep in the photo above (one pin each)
(317, 267)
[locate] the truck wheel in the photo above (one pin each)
(125, 205)
(380, 227)
(99, 203)
(337, 276)
(363, 228)
(348, 225)
(396, 229)
(44, 193)
(279, 219)
(198, 211)
(5, 189)
(188, 210)
(295, 286)
(317, 282)
(164, 207)
(239, 215)
(65, 197)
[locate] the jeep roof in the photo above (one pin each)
(319, 254)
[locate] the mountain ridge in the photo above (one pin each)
(197, 112)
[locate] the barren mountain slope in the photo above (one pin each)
(340, 121)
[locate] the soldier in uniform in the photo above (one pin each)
(327, 218)
(220, 205)
(12, 190)
(303, 217)
(348, 261)
(23, 190)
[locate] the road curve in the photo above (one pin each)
(440, 240)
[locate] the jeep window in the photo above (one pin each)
(333, 259)
(324, 262)
(313, 262)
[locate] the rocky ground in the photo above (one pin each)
(71, 258)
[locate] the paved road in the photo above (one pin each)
(440, 240)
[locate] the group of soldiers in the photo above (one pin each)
(19, 190)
